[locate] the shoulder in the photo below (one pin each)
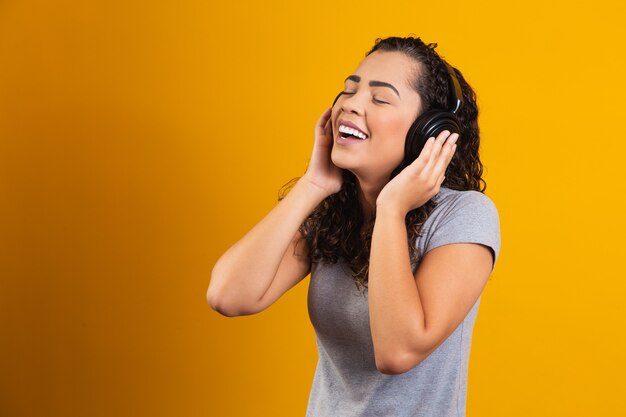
(454, 201)
(469, 208)
(462, 217)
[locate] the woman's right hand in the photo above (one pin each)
(321, 172)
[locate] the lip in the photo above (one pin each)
(352, 125)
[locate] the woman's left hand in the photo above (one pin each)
(420, 181)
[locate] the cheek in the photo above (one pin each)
(401, 126)
(393, 133)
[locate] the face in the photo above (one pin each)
(380, 102)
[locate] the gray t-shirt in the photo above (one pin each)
(346, 381)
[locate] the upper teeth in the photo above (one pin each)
(349, 130)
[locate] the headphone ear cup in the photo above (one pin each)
(430, 123)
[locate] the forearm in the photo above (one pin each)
(396, 313)
(246, 270)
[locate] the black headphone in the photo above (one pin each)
(432, 122)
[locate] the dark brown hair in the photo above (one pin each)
(333, 229)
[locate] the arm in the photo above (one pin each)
(244, 273)
(410, 316)
(260, 267)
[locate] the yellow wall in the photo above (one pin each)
(139, 140)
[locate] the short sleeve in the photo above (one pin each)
(471, 217)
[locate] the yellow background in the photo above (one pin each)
(140, 139)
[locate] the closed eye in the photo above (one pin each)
(375, 100)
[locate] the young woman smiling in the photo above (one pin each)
(398, 254)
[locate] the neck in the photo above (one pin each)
(368, 193)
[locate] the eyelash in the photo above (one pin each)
(377, 101)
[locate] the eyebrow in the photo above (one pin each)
(372, 83)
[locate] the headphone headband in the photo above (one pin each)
(434, 121)
(456, 95)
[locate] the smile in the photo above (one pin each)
(350, 132)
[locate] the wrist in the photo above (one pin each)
(389, 209)
(312, 189)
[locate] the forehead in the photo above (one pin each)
(393, 67)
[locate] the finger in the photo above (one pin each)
(448, 150)
(328, 122)
(441, 139)
(436, 150)
(424, 155)
(446, 155)
(329, 128)
(324, 118)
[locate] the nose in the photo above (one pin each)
(351, 103)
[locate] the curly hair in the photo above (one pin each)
(337, 228)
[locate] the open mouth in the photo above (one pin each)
(350, 133)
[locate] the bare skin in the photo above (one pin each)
(264, 264)
(410, 314)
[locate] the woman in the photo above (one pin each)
(399, 252)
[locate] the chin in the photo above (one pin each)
(361, 169)
(348, 167)
(336, 160)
